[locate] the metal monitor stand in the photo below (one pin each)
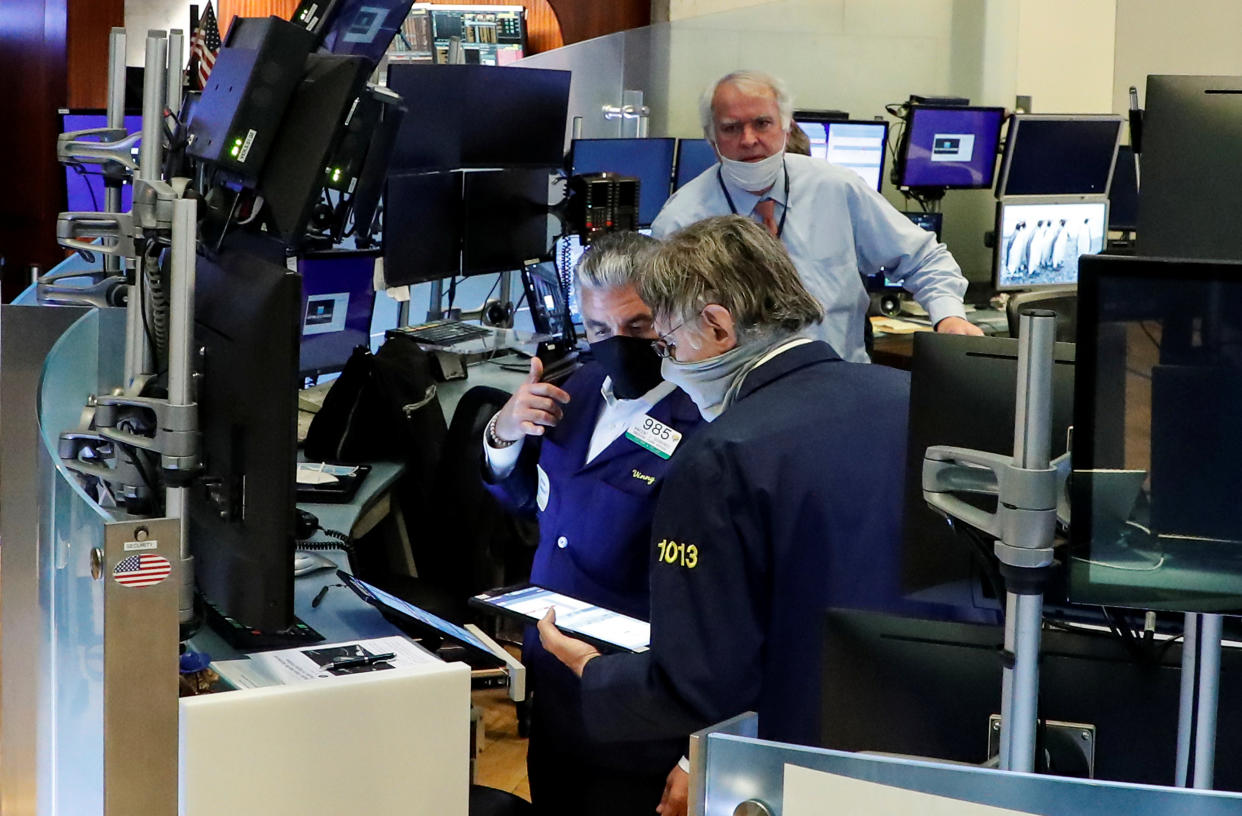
(1024, 522)
(1196, 726)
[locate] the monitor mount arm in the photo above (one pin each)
(1027, 485)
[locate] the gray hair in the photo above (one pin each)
(753, 82)
(612, 260)
(732, 261)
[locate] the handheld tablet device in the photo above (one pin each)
(601, 627)
(407, 615)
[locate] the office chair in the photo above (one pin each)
(480, 545)
(1064, 302)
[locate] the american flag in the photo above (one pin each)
(204, 47)
(142, 570)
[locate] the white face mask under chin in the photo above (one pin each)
(754, 177)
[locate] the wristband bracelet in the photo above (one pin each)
(494, 440)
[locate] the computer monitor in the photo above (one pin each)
(477, 116)
(337, 301)
(953, 147)
(489, 35)
(648, 160)
(84, 185)
(1048, 155)
(1039, 241)
(1123, 193)
(928, 688)
(240, 511)
(963, 393)
(422, 227)
(506, 219)
(364, 28)
(1155, 523)
(1192, 180)
(694, 156)
(854, 145)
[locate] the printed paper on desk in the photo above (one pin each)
(287, 666)
(807, 791)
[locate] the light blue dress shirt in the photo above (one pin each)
(837, 228)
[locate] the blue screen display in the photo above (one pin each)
(693, 157)
(951, 147)
(648, 160)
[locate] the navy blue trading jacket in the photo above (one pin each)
(787, 504)
(601, 512)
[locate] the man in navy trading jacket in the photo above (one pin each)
(788, 502)
(565, 454)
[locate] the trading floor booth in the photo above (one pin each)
(89, 597)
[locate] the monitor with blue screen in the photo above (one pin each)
(84, 185)
(648, 160)
(953, 147)
(693, 157)
(337, 301)
(854, 145)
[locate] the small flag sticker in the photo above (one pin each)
(142, 570)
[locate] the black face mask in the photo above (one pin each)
(631, 362)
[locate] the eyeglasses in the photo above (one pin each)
(664, 345)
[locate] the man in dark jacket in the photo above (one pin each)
(568, 455)
(787, 503)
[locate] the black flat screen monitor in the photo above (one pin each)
(1049, 155)
(1123, 193)
(246, 312)
(951, 147)
(422, 227)
(854, 145)
(338, 297)
(1039, 241)
(927, 688)
(1191, 178)
(648, 160)
(694, 156)
(963, 393)
(479, 116)
(84, 184)
(506, 219)
(1156, 524)
(364, 28)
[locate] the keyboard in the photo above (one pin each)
(446, 332)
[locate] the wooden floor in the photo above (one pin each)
(501, 760)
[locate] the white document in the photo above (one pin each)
(814, 793)
(289, 666)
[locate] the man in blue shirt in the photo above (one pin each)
(832, 223)
(787, 503)
(564, 454)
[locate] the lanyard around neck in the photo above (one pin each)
(780, 228)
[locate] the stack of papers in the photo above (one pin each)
(289, 666)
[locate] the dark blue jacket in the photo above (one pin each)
(787, 504)
(594, 533)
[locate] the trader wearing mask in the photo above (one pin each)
(577, 458)
(786, 503)
(833, 224)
